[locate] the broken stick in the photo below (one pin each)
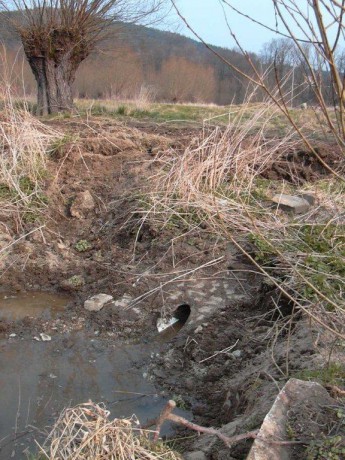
(167, 414)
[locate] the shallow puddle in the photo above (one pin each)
(17, 306)
(39, 379)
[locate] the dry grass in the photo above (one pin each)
(144, 98)
(85, 432)
(216, 175)
(217, 181)
(24, 145)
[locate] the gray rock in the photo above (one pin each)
(197, 455)
(123, 302)
(97, 302)
(294, 394)
(309, 197)
(82, 205)
(236, 354)
(291, 203)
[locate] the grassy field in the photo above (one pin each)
(197, 114)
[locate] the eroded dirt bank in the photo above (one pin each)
(228, 363)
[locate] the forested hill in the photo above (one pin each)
(173, 67)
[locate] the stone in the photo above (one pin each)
(294, 395)
(197, 455)
(124, 310)
(123, 302)
(45, 337)
(291, 203)
(236, 354)
(97, 302)
(82, 205)
(309, 197)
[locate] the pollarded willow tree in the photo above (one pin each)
(57, 35)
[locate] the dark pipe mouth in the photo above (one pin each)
(182, 313)
(176, 323)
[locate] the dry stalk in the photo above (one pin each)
(24, 147)
(217, 181)
(316, 43)
(85, 432)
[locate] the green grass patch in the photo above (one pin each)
(333, 374)
(83, 246)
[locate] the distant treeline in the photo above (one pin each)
(167, 66)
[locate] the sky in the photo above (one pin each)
(207, 18)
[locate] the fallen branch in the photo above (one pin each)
(167, 414)
(200, 429)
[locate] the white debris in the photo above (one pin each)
(12, 335)
(97, 302)
(165, 323)
(236, 354)
(124, 301)
(45, 337)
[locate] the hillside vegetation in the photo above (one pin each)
(164, 65)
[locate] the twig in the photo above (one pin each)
(165, 414)
(227, 440)
(226, 350)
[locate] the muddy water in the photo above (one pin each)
(17, 306)
(39, 379)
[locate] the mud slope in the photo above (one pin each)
(229, 361)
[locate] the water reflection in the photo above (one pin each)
(19, 305)
(39, 379)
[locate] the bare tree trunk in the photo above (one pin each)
(54, 83)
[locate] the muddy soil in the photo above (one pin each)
(230, 370)
(225, 366)
(301, 165)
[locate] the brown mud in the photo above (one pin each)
(300, 165)
(225, 366)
